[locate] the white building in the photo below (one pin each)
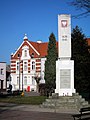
(26, 63)
(2, 76)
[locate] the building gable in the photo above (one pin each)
(32, 49)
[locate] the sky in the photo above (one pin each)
(36, 18)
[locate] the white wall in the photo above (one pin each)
(3, 75)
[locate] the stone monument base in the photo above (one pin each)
(74, 102)
(65, 77)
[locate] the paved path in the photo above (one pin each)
(30, 115)
(32, 112)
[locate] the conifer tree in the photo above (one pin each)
(81, 57)
(50, 64)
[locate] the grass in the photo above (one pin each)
(33, 100)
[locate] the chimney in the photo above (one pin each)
(39, 41)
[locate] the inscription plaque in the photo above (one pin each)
(65, 78)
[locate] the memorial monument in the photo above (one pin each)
(64, 64)
(63, 96)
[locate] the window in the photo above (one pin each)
(33, 65)
(25, 80)
(17, 66)
(1, 71)
(25, 53)
(17, 80)
(25, 66)
(32, 55)
(33, 81)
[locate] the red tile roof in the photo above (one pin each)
(88, 40)
(41, 47)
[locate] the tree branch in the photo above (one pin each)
(81, 4)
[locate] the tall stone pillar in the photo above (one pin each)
(64, 64)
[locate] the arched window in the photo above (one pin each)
(25, 80)
(17, 80)
(25, 53)
(25, 66)
(33, 65)
(33, 81)
(32, 55)
(1, 71)
(17, 66)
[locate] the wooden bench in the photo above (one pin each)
(83, 115)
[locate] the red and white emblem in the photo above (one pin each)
(64, 23)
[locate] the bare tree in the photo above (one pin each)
(83, 5)
(37, 78)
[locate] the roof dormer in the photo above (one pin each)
(25, 52)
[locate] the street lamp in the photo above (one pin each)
(22, 75)
(19, 70)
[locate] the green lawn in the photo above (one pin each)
(33, 100)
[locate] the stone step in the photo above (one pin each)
(59, 105)
(76, 102)
(65, 103)
(69, 100)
